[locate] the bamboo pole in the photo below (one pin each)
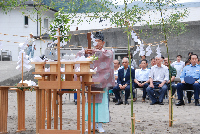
(133, 121)
(170, 92)
(128, 35)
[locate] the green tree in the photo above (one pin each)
(8, 5)
(169, 25)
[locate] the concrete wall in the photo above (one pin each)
(116, 37)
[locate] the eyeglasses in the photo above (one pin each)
(124, 62)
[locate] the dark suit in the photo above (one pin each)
(124, 80)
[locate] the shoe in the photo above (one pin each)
(161, 103)
(114, 99)
(94, 130)
(119, 103)
(86, 130)
(100, 129)
(143, 99)
(180, 103)
(196, 102)
(126, 102)
(134, 99)
(152, 103)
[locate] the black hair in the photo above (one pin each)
(144, 60)
(130, 55)
(99, 35)
(143, 55)
(192, 55)
(187, 62)
(178, 56)
(162, 57)
(153, 58)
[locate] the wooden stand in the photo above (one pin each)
(3, 109)
(55, 85)
(21, 106)
(51, 82)
(21, 110)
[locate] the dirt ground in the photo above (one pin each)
(150, 119)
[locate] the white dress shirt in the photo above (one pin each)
(142, 74)
(116, 74)
(179, 67)
(159, 73)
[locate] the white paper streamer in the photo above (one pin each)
(137, 50)
(139, 41)
(93, 40)
(37, 59)
(22, 46)
(148, 50)
(30, 83)
(158, 51)
(133, 34)
(25, 59)
(142, 52)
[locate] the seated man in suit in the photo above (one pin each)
(123, 82)
(142, 78)
(192, 70)
(159, 76)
